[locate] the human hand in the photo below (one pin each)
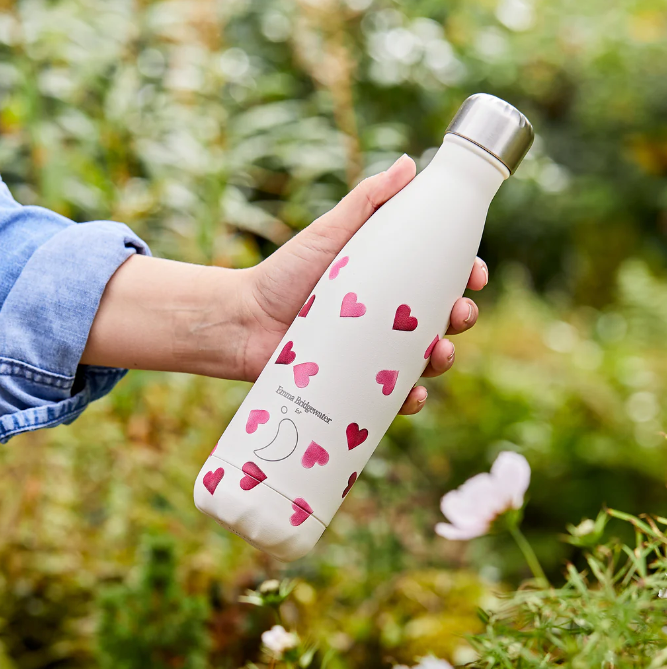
(277, 288)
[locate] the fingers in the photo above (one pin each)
(464, 316)
(358, 205)
(414, 401)
(479, 276)
(442, 358)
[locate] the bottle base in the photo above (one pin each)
(285, 529)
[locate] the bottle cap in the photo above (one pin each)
(495, 126)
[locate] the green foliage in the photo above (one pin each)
(153, 623)
(612, 614)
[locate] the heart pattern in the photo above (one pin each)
(355, 436)
(337, 267)
(350, 483)
(303, 372)
(253, 476)
(403, 320)
(350, 308)
(212, 478)
(431, 346)
(287, 355)
(256, 417)
(314, 455)
(301, 513)
(387, 379)
(306, 307)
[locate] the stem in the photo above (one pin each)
(530, 556)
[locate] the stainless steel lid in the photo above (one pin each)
(496, 126)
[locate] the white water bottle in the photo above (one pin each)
(342, 371)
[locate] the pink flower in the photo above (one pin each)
(474, 506)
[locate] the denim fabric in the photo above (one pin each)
(52, 275)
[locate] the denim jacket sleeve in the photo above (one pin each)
(52, 275)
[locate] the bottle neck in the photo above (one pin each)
(477, 150)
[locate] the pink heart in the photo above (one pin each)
(314, 455)
(350, 308)
(306, 307)
(431, 346)
(301, 510)
(387, 379)
(355, 436)
(287, 355)
(253, 476)
(303, 372)
(213, 451)
(337, 267)
(350, 483)
(211, 479)
(256, 417)
(403, 320)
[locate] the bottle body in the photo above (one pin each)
(338, 378)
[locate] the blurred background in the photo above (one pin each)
(218, 128)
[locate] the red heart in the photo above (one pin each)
(337, 267)
(355, 436)
(314, 455)
(306, 307)
(287, 355)
(303, 372)
(255, 418)
(301, 510)
(211, 479)
(253, 476)
(350, 308)
(403, 320)
(431, 346)
(350, 483)
(387, 379)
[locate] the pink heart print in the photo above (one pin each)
(403, 320)
(387, 379)
(355, 436)
(303, 372)
(213, 451)
(287, 355)
(256, 417)
(350, 483)
(337, 267)
(301, 510)
(253, 476)
(431, 346)
(350, 308)
(306, 307)
(314, 455)
(211, 479)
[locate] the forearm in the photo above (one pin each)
(170, 316)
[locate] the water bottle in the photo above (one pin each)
(309, 424)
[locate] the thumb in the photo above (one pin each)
(338, 225)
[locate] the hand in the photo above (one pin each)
(279, 286)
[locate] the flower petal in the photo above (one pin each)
(511, 472)
(459, 533)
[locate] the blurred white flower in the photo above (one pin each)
(272, 585)
(278, 640)
(480, 500)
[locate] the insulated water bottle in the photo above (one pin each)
(307, 427)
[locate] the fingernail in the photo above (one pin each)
(469, 313)
(423, 400)
(485, 269)
(450, 357)
(395, 165)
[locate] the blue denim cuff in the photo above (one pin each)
(45, 321)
